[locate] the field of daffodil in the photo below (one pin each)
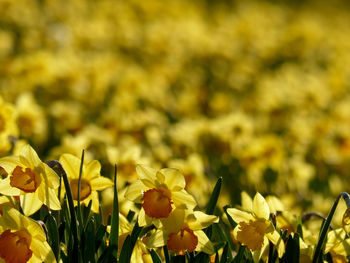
(174, 131)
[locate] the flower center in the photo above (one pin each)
(157, 202)
(14, 247)
(85, 189)
(25, 179)
(252, 234)
(183, 240)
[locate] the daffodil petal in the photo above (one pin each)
(173, 179)
(70, 164)
(53, 179)
(157, 239)
(136, 255)
(182, 198)
(239, 216)
(174, 222)
(13, 218)
(142, 218)
(42, 251)
(6, 189)
(124, 225)
(95, 202)
(276, 239)
(202, 220)
(100, 183)
(260, 207)
(52, 202)
(35, 229)
(10, 163)
(29, 156)
(92, 169)
(30, 203)
(204, 243)
(145, 220)
(146, 173)
(134, 192)
(247, 202)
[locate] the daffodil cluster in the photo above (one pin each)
(178, 94)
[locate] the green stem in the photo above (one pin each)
(56, 165)
(324, 229)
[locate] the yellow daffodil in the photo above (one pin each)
(140, 253)
(22, 239)
(91, 180)
(255, 229)
(181, 231)
(159, 192)
(31, 179)
(338, 245)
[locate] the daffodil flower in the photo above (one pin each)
(91, 180)
(22, 239)
(140, 253)
(30, 179)
(182, 231)
(338, 245)
(255, 229)
(159, 192)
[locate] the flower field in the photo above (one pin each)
(174, 131)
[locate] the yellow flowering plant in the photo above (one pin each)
(22, 239)
(182, 231)
(214, 89)
(32, 180)
(159, 192)
(91, 180)
(255, 229)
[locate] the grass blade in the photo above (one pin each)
(155, 257)
(114, 235)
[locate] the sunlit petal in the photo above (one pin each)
(202, 220)
(134, 192)
(173, 179)
(204, 243)
(70, 164)
(101, 183)
(276, 239)
(183, 198)
(260, 207)
(30, 203)
(239, 216)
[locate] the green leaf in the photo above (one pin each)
(73, 219)
(239, 257)
(166, 254)
(201, 257)
(53, 235)
(212, 204)
(126, 251)
(89, 244)
(134, 235)
(79, 213)
(224, 257)
(114, 235)
(232, 223)
(100, 233)
(292, 253)
(324, 230)
(155, 257)
(86, 212)
(130, 216)
(214, 197)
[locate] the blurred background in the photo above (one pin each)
(254, 91)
